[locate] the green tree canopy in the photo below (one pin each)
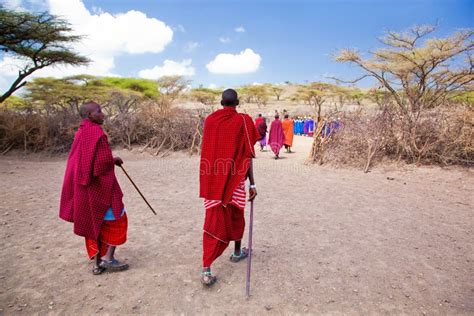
(38, 40)
(144, 86)
(204, 95)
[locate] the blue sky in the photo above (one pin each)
(289, 40)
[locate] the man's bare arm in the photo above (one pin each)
(252, 188)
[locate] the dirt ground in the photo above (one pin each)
(399, 240)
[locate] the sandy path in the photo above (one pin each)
(326, 241)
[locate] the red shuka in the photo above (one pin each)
(258, 120)
(276, 137)
(90, 186)
(112, 233)
(227, 147)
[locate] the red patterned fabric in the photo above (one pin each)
(227, 147)
(258, 120)
(276, 138)
(222, 224)
(238, 198)
(90, 186)
(112, 233)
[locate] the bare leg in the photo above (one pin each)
(97, 260)
(239, 252)
(109, 255)
(237, 245)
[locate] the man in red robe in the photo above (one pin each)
(276, 137)
(258, 120)
(226, 162)
(91, 197)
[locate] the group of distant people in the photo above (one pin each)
(304, 126)
(281, 133)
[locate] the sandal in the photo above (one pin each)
(207, 278)
(98, 270)
(113, 265)
(244, 253)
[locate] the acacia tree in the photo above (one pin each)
(38, 40)
(170, 87)
(50, 95)
(260, 94)
(206, 96)
(417, 74)
(277, 91)
(254, 94)
(314, 94)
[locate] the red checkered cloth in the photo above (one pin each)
(90, 187)
(222, 224)
(112, 233)
(227, 147)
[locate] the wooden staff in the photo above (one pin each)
(151, 208)
(249, 258)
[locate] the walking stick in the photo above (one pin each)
(151, 208)
(249, 259)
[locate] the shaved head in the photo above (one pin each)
(93, 112)
(87, 108)
(230, 98)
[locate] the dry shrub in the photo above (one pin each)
(448, 137)
(153, 129)
(145, 124)
(443, 136)
(32, 132)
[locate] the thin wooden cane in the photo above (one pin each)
(249, 258)
(144, 199)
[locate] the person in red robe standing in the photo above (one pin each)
(91, 197)
(226, 162)
(258, 120)
(276, 137)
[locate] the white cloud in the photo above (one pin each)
(246, 61)
(212, 86)
(257, 84)
(224, 40)
(169, 68)
(106, 36)
(240, 29)
(131, 32)
(190, 46)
